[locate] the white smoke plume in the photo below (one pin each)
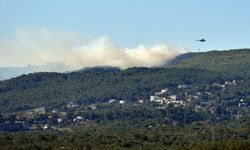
(66, 51)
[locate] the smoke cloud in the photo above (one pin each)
(66, 51)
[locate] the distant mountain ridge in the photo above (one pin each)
(10, 72)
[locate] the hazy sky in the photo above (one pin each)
(125, 33)
(224, 23)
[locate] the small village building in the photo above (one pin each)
(73, 104)
(141, 101)
(122, 102)
(112, 101)
(59, 120)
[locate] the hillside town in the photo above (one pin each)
(76, 114)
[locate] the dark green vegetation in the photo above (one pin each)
(217, 119)
(121, 135)
(56, 89)
(222, 61)
(97, 84)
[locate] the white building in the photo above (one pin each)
(60, 120)
(158, 99)
(112, 101)
(141, 101)
(173, 97)
(122, 102)
(164, 90)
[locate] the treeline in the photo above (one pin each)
(123, 135)
(222, 61)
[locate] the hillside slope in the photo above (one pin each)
(231, 60)
(55, 89)
(91, 85)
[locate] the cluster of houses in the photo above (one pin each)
(113, 101)
(165, 96)
(184, 97)
(226, 83)
(42, 119)
(39, 118)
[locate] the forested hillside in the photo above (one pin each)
(55, 89)
(101, 84)
(200, 101)
(231, 60)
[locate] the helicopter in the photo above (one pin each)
(201, 40)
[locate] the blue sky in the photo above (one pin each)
(224, 23)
